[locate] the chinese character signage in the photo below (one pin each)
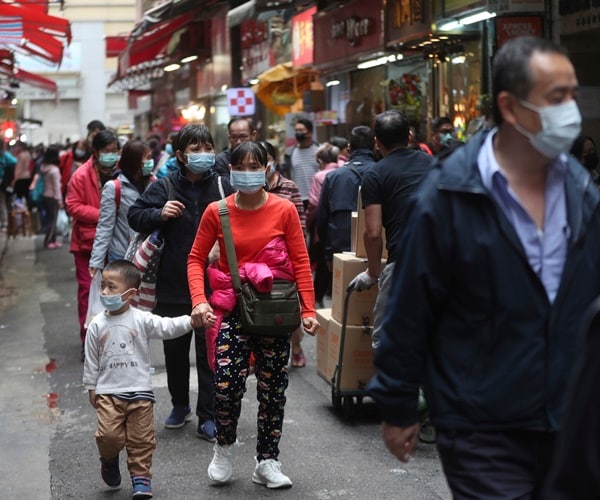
(302, 38)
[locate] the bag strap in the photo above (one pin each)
(229, 247)
(220, 183)
(117, 183)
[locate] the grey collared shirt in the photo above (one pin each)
(546, 248)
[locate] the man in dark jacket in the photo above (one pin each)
(494, 272)
(339, 194)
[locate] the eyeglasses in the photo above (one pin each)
(239, 137)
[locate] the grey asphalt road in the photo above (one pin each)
(47, 447)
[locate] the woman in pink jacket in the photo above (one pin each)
(83, 205)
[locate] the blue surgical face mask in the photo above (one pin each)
(270, 168)
(247, 182)
(108, 160)
(147, 167)
(199, 163)
(446, 138)
(169, 149)
(114, 302)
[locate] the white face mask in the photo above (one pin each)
(561, 124)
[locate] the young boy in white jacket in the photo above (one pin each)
(117, 376)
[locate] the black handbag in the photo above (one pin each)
(272, 314)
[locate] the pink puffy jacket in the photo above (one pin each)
(271, 263)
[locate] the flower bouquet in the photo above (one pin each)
(404, 95)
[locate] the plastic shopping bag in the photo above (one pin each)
(94, 304)
(62, 222)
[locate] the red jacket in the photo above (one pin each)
(83, 205)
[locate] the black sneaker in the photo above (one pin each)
(111, 474)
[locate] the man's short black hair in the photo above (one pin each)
(236, 119)
(362, 137)
(95, 125)
(306, 122)
(391, 128)
(439, 122)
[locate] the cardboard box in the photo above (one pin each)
(360, 306)
(359, 243)
(356, 368)
(323, 317)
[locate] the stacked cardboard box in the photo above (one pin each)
(354, 356)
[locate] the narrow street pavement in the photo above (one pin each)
(47, 447)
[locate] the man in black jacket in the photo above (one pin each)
(494, 273)
(339, 194)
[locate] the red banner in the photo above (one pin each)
(508, 27)
(302, 38)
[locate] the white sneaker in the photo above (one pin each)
(268, 473)
(220, 469)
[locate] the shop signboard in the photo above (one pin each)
(255, 48)
(302, 38)
(508, 27)
(347, 32)
(406, 21)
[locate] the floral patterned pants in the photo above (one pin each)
(232, 369)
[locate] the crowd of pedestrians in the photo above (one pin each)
(492, 262)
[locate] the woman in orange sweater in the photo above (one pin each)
(256, 218)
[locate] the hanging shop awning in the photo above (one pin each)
(32, 31)
(152, 44)
(17, 74)
(115, 45)
(35, 80)
(281, 86)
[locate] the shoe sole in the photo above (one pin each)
(273, 486)
(142, 495)
(188, 418)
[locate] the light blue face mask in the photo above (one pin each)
(247, 182)
(199, 163)
(169, 149)
(446, 138)
(108, 160)
(147, 167)
(114, 302)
